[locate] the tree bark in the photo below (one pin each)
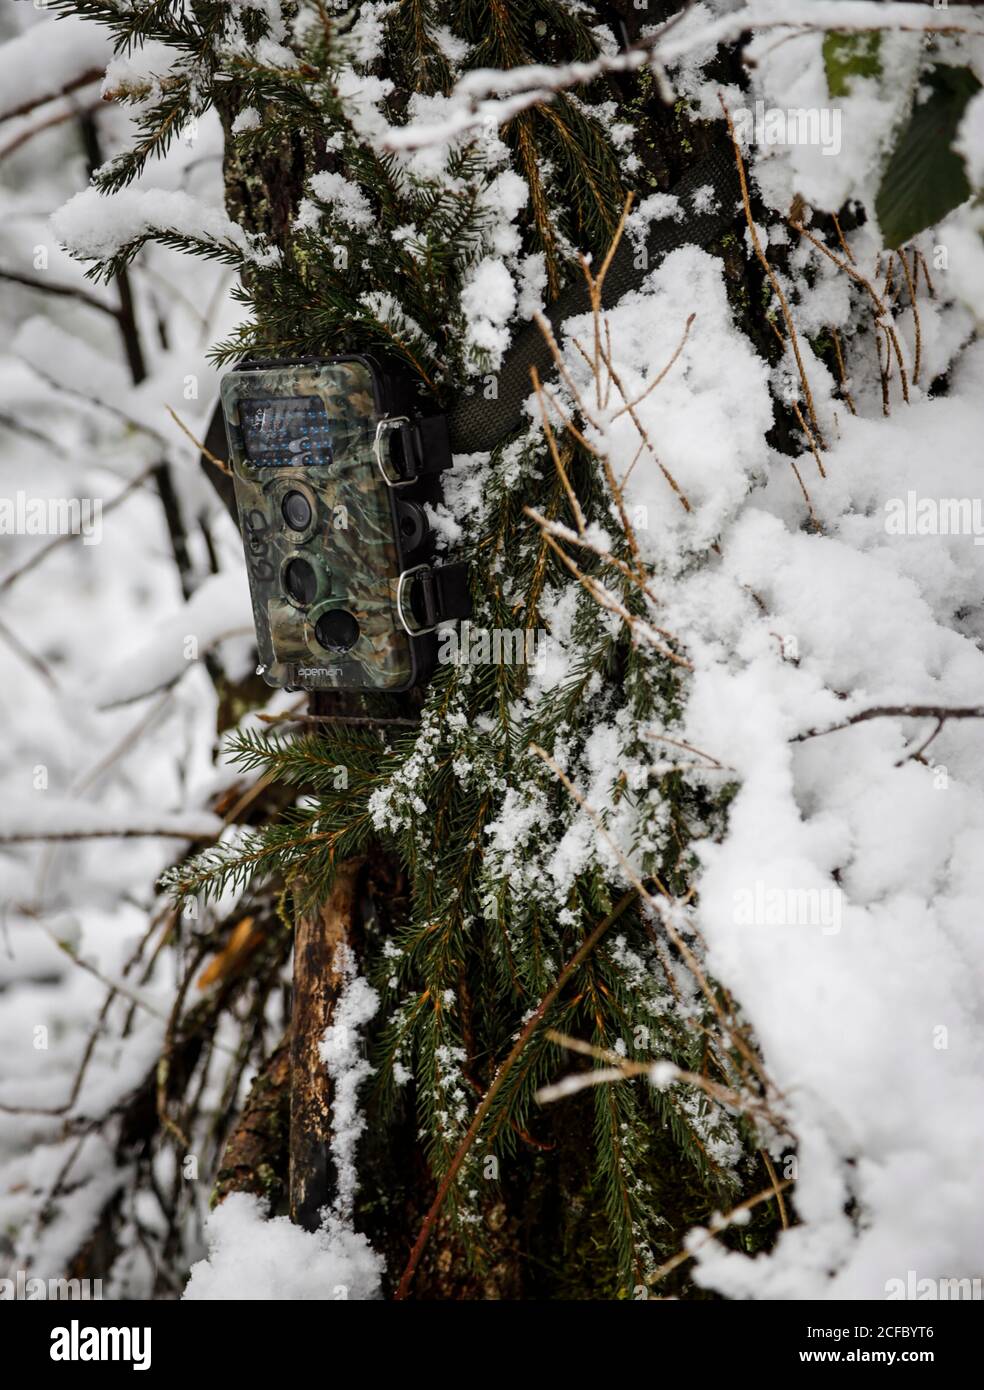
(318, 982)
(254, 1158)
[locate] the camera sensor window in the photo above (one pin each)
(286, 432)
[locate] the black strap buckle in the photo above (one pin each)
(427, 595)
(408, 449)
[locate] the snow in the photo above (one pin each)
(346, 199)
(218, 609)
(879, 1097)
(54, 816)
(970, 139)
(791, 77)
(255, 1257)
(49, 57)
(248, 119)
(489, 300)
(95, 226)
(341, 1053)
(708, 414)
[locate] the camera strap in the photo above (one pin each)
(707, 195)
(431, 594)
(411, 448)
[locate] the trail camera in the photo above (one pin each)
(333, 461)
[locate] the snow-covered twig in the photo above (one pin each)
(489, 98)
(75, 821)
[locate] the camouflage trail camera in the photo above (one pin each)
(332, 462)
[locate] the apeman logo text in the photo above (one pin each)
(75, 1343)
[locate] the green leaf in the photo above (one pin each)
(846, 56)
(925, 178)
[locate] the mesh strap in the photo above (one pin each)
(475, 423)
(479, 424)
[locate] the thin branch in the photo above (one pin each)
(523, 87)
(809, 435)
(31, 282)
(777, 1189)
(212, 458)
(369, 721)
(840, 368)
(809, 503)
(917, 753)
(770, 272)
(681, 496)
(940, 712)
(601, 595)
(83, 80)
(23, 837)
(925, 270)
(720, 1224)
(67, 536)
(840, 237)
(653, 384)
(699, 752)
(917, 327)
(555, 455)
(846, 266)
(27, 656)
(624, 1069)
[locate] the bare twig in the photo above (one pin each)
(917, 327)
(27, 656)
(777, 1189)
(840, 238)
(624, 1069)
(720, 1224)
(770, 272)
(809, 504)
(601, 596)
(940, 712)
(366, 720)
(83, 80)
(212, 458)
(809, 435)
(838, 351)
(661, 375)
(555, 455)
(31, 282)
(121, 832)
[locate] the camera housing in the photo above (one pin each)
(333, 462)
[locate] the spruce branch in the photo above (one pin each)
(529, 1028)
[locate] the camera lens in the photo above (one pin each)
(297, 511)
(337, 630)
(300, 581)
